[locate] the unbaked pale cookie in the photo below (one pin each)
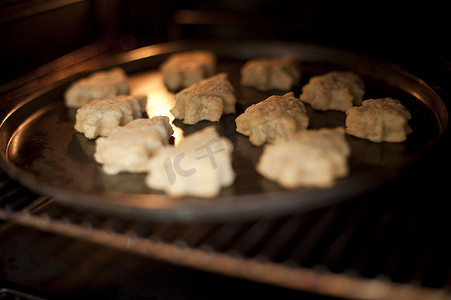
(277, 116)
(200, 165)
(333, 91)
(208, 99)
(99, 85)
(128, 148)
(280, 73)
(181, 70)
(310, 158)
(99, 117)
(379, 120)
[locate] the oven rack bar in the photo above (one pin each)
(321, 252)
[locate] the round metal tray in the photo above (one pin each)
(41, 149)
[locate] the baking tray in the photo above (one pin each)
(41, 149)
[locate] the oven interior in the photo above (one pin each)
(389, 243)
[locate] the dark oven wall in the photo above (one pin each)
(389, 27)
(34, 32)
(37, 31)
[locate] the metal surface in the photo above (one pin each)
(40, 148)
(371, 248)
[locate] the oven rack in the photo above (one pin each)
(365, 248)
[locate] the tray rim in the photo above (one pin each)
(67, 197)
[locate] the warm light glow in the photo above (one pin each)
(159, 100)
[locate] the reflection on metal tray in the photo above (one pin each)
(40, 148)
